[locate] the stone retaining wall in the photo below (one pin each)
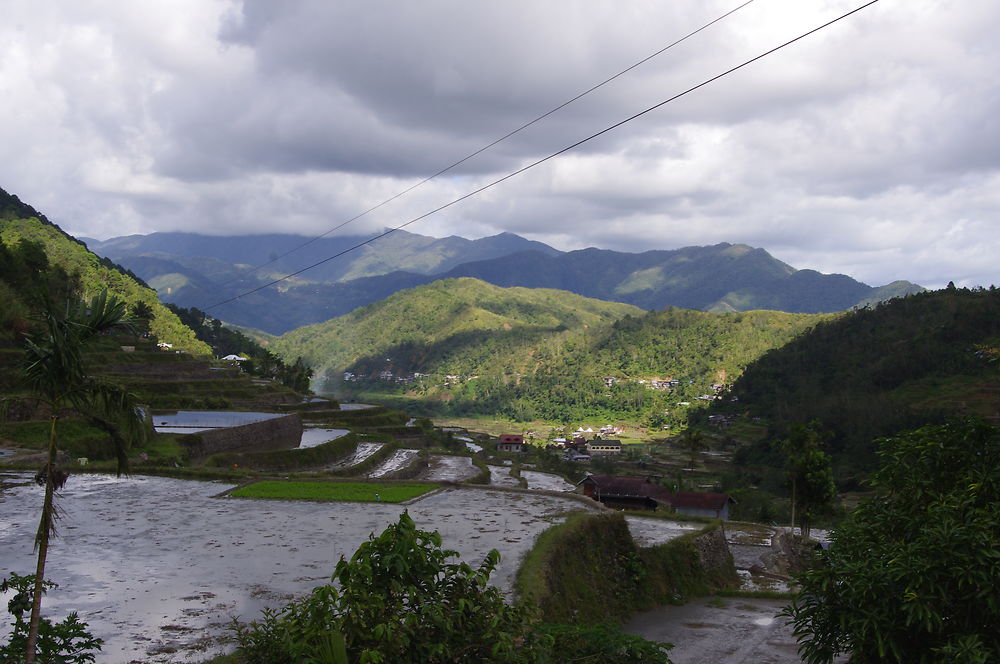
(715, 557)
(279, 433)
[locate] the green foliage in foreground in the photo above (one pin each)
(399, 600)
(913, 575)
(65, 642)
(346, 491)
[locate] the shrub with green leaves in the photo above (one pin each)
(64, 642)
(913, 575)
(398, 600)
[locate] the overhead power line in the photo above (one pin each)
(553, 155)
(495, 142)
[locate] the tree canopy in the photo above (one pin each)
(913, 575)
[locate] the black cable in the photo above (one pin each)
(553, 155)
(487, 147)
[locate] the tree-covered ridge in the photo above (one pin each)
(466, 347)
(440, 311)
(877, 371)
(49, 247)
(12, 207)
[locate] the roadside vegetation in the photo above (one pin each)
(912, 575)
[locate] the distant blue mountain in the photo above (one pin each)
(194, 270)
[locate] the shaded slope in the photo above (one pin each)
(874, 372)
(93, 272)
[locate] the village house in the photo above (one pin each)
(598, 446)
(510, 442)
(643, 493)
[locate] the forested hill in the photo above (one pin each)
(876, 371)
(423, 327)
(461, 346)
(36, 254)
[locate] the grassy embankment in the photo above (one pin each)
(333, 491)
(591, 560)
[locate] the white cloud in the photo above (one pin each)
(872, 148)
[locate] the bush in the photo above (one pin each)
(66, 642)
(913, 575)
(398, 600)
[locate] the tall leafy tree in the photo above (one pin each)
(693, 441)
(54, 371)
(913, 575)
(809, 474)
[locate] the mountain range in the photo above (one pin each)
(200, 271)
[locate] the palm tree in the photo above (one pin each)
(53, 370)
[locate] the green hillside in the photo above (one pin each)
(877, 371)
(83, 269)
(440, 311)
(461, 346)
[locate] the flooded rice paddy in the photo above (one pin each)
(500, 476)
(313, 436)
(158, 567)
(360, 453)
(192, 421)
(397, 461)
(545, 481)
(650, 531)
(713, 631)
(449, 469)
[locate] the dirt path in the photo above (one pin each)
(721, 631)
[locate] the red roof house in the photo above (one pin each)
(623, 492)
(510, 442)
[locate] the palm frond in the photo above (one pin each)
(115, 411)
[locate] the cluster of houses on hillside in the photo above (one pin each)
(578, 449)
(387, 375)
(390, 376)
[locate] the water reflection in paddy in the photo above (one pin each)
(189, 420)
(156, 565)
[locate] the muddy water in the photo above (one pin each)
(500, 476)
(652, 531)
(158, 568)
(545, 481)
(444, 468)
(713, 631)
(398, 460)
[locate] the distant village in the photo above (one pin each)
(451, 380)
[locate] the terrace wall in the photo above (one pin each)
(279, 433)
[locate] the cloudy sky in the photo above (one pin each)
(870, 149)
